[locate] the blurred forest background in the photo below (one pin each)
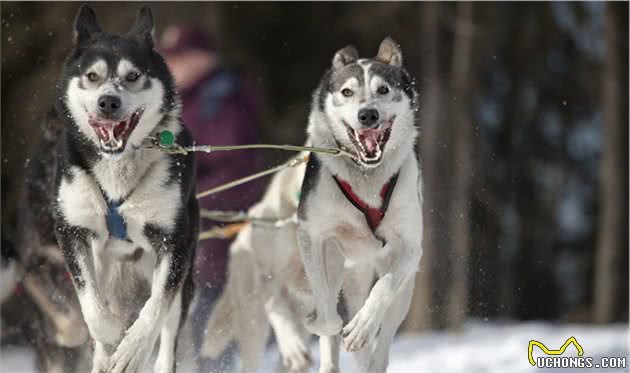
(524, 119)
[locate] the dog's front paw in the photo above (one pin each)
(295, 355)
(319, 326)
(132, 352)
(361, 331)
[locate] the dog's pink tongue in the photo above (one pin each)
(369, 138)
(103, 133)
(107, 129)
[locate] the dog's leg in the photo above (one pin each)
(165, 362)
(329, 354)
(291, 342)
(356, 288)
(100, 358)
(252, 327)
(324, 268)
(133, 351)
(104, 326)
(379, 358)
(219, 329)
(395, 270)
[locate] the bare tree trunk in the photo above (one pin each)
(419, 316)
(461, 71)
(608, 289)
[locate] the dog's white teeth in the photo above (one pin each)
(376, 156)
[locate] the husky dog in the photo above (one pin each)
(126, 215)
(366, 208)
(267, 286)
(43, 306)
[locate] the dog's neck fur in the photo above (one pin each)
(365, 181)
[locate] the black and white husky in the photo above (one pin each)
(126, 216)
(366, 208)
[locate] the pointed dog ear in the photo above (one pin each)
(85, 25)
(142, 29)
(389, 52)
(345, 56)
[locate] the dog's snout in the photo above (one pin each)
(368, 117)
(109, 104)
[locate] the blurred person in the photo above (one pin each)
(219, 107)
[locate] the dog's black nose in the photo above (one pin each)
(368, 117)
(109, 104)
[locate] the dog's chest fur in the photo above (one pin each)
(140, 181)
(329, 212)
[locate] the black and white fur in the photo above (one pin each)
(115, 92)
(331, 230)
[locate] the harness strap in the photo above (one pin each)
(373, 215)
(116, 225)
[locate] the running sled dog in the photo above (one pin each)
(357, 217)
(366, 208)
(126, 215)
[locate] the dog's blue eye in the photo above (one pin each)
(92, 77)
(132, 76)
(383, 90)
(347, 92)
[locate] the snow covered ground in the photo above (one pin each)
(480, 348)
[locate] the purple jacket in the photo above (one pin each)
(222, 109)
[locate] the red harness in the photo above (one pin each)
(373, 215)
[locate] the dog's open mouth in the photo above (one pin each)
(370, 142)
(113, 135)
